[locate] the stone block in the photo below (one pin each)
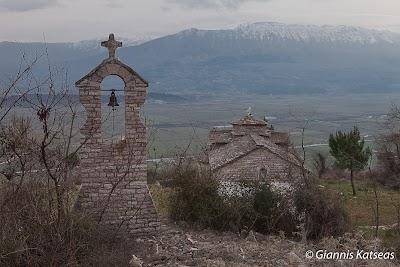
(113, 69)
(124, 74)
(102, 71)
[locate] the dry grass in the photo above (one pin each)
(361, 207)
(160, 197)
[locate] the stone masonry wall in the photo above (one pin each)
(114, 173)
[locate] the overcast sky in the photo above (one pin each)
(74, 20)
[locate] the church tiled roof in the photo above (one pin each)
(243, 146)
(228, 153)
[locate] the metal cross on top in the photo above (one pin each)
(111, 45)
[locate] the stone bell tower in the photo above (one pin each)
(114, 173)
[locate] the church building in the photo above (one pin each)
(250, 149)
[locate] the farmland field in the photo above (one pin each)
(182, 127)
(186, 124)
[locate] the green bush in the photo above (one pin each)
(198, 199)
(274, 211)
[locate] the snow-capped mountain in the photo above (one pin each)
(260, 58)
(268, 57)
(301, 33)
(309, 33)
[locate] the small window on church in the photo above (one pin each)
(112, 108)
(263, 173)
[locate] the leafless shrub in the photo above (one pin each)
(323, 212)
(388, 150)
(32, 236)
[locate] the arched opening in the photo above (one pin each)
(112, 108)
(263, 173)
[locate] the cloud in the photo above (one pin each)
(26, 5)
(209, 4)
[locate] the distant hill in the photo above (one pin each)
(258, 58)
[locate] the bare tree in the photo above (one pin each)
(320, 163)
(389, 147)
(302, 125)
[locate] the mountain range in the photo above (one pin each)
(256, 58)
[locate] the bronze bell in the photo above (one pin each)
(113, 100)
